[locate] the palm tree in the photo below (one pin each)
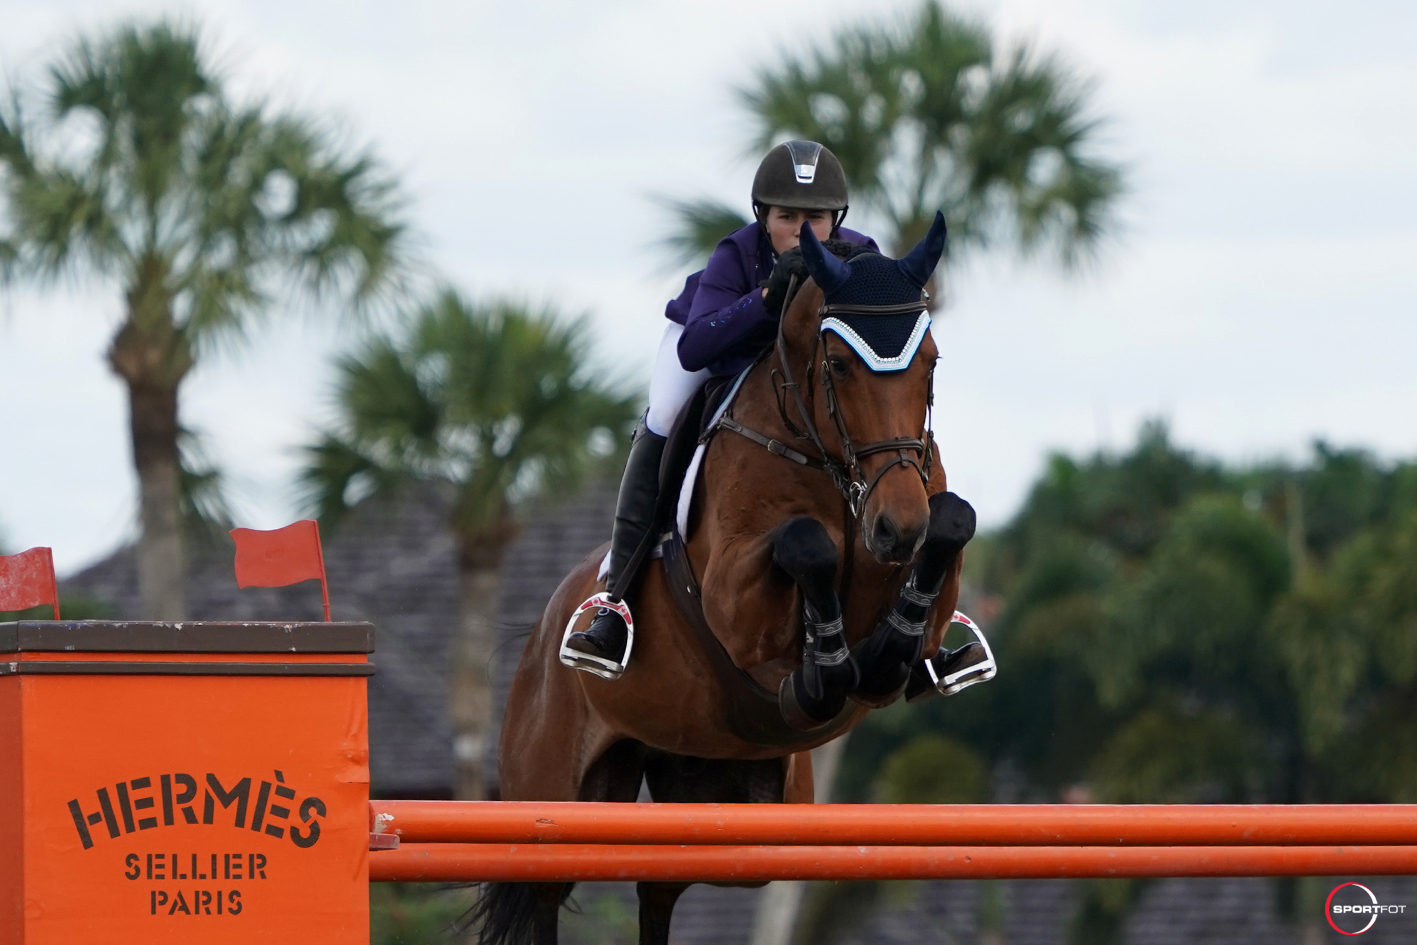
(142, 174)
(700, 224)
(499, 403)
(925, 114)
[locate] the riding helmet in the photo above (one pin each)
(802, 175)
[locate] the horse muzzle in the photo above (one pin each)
(891, 541)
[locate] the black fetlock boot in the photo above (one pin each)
(816, 691)
(601, 647)
(888, 656)
(949, 671)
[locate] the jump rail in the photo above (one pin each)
(161, 771)
(502, 841)
(897, 824)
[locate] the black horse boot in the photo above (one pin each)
(600, 648)
(888, 654)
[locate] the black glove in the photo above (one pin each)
(789, 264)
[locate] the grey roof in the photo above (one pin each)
(395, 565)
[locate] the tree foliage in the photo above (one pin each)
(141, 169)
(497, 399)
(928, 112)
(129, 166)
(1170, 629)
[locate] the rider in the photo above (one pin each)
(724, 318)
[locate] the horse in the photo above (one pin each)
(821, 564)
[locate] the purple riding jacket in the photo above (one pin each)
(721, 307)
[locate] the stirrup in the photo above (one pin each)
(984, 671)
(599, 665)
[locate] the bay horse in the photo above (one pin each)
(815, 574)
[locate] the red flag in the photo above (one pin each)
(279, 557)
(27, 580)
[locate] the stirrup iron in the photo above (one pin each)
(598, 665)
(983, 671)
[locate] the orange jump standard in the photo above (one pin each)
(187, 782)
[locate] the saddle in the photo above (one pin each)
(684, 439)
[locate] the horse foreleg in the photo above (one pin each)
(887, 655)
(816, 691)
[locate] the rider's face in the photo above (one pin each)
(785, 224)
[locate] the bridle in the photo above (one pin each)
(845, 472)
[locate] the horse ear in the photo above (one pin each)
(829, 272)
(920, 262)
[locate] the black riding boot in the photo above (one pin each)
(634, 517)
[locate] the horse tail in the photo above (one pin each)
(505, 913)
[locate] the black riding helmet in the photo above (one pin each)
(802, 175)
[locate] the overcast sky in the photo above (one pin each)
(1262, 296)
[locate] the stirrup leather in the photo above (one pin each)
(599, 666)
(951, 683)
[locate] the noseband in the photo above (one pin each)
(845, 472)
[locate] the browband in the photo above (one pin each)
(901, 308)
(876, 361)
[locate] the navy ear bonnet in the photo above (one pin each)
(885, 341)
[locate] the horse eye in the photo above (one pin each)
(838, 365)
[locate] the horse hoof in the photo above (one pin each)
(885, 668)
(885, 658)
(919, 687)
(802, 712)
(881, 689)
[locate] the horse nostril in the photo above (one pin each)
(892, 543)
(885, 534)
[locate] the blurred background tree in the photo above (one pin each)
(416, 913)
(928, 113)
(141, 173)
(501, 403)
(1173, 630)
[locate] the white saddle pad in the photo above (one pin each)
(686, 489)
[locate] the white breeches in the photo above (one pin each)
(670, 386)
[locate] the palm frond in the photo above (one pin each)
(698, 226)
(202, 488)
(497, 398)
(235, 206)
(924, 116)
(337, 476)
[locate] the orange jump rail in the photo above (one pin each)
(458, 862)
(918, 825)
